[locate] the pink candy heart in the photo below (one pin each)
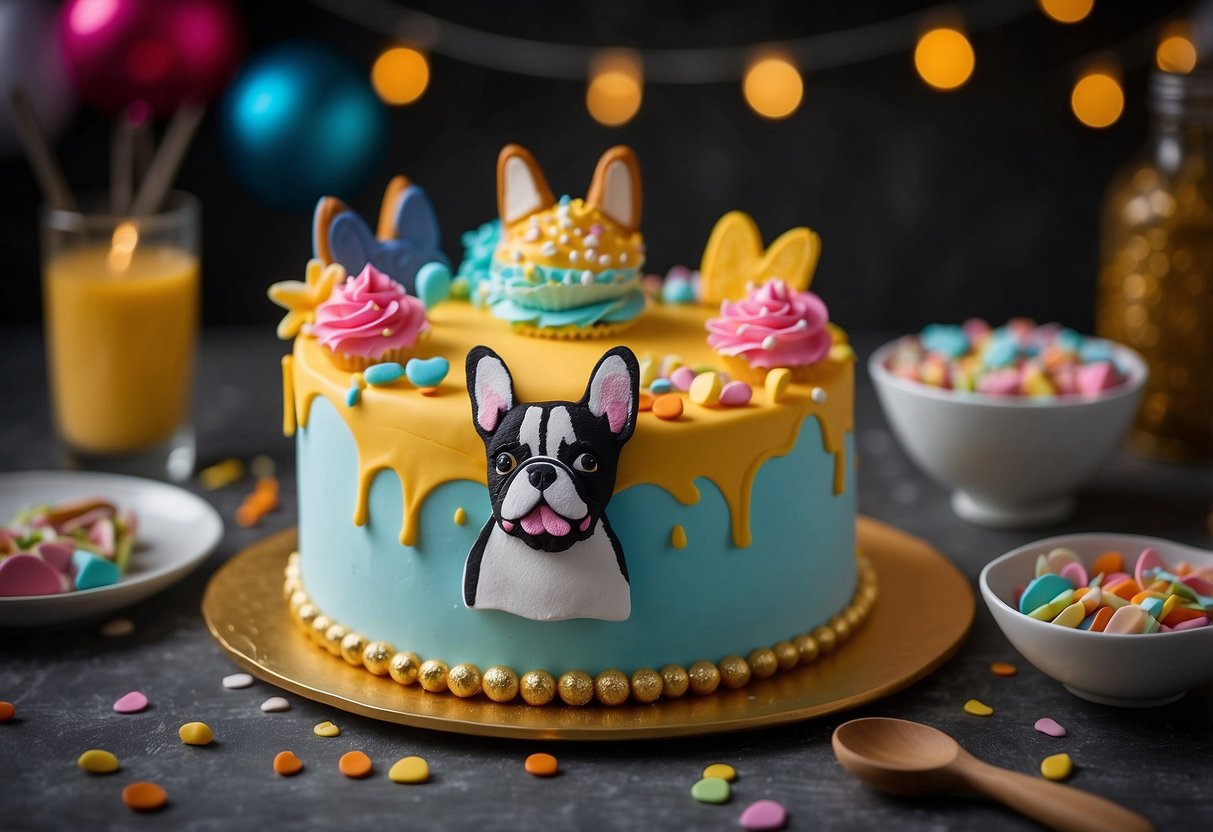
(763, 815)
(131, 703)
(1048, 726)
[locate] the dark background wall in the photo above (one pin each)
(932, 206)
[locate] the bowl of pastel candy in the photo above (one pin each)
(1013, 419)
(1118, 619)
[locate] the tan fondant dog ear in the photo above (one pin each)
(616, 189)
(734, 258)
(792, 258)
(521, 188)
(386, 230)
(326, 210)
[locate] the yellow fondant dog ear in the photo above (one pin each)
(734, 258)
(521, 188)
(386, 230)
(615, 189)
(792, 258)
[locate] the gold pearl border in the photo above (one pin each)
(576, 687)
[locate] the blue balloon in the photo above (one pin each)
(300, 122)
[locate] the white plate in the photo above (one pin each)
(177, 530)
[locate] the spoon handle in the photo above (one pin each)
(1061, 807)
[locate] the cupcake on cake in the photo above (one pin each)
(773, 326)
(568, 268)
(369, 319)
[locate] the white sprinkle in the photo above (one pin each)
(769, 342)
(562, 210)
(623, 257)
(117, 627)
(587, 277)
(237, 681)
(577, 231)
(516, 256)
(762, 312)
(565, 222)
(741, 330)
(591, 239)
(819, 395)
(375, 306)
(802, 324)
(604, 260)
(548, 249)
(531, 235)
(535, 220)
(564, 239)
(573, 256)
(275, 705)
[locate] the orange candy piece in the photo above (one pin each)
(644, 403)
(1003, 669)
(541, 765)
(7, 711)
(262, 500)
(1146, 593)
(1179, 614)
(142, 796)
(1108, 563)
(1102, 617)
(667, 406)
(287, 764)
(355, 764)
(1124, 589)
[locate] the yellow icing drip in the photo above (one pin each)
(288, 395)
(544, 239)
(429, 440)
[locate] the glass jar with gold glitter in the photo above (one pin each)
(1156, 278)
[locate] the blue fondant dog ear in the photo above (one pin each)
(415, 221)
(351, 242)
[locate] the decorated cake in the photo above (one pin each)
(660, 502)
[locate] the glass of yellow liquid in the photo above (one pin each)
(120, 298)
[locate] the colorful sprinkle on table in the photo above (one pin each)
(131, 703)
(98, 761)
(1056, 767)
(977, 708)
(1045, 725)
(355, 765)
(287, 764)
(722, 770)
(1003, 669)
(763, 815)
(117, 628)
(711, 790)
(196, 733)
(410, 770)
(461, 516)
(326, 729)
(275, 705)
(7, 711)
(541, 765)
(142, 796)
(237, 680)
(667, 406)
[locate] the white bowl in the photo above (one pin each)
(1011, 461)
(1133, 671)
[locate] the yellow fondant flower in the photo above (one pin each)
(300, 298)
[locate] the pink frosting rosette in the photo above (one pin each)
(369, 319)
(773, 326)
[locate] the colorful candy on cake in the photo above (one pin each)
(1018, 359)
(82, 544)
(485, 512)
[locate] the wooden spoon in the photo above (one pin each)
(908, 758)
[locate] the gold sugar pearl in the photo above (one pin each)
(612, 687)
(674, 681)
(807, 647)
(376, 656)
(320, 625)
(786, 654)
(826, 640)
(842, 630)
(292, 559)
(305, 615)
(404, 667)
(297, 600)
(763, 662)
(352, 646)
(500, 683)
(290, 586)
(852, 616)
(734, 672)
(537, 687)
(292, 568)
(333, 637)
(463, 680)
(432, 675)
(704, 676)
(647, 685)
(575, 687)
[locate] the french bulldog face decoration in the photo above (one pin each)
(548, 552)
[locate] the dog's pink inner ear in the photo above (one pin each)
(491, 408)
(615, 400)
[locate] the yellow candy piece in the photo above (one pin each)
(705, 389)
(648, 371)
(97, 761)
(1169, 605)
(975, 708)
(1049, 611)
(678, 537)
(722, 770)
(777, 383)
(221, 474)
(461, 516)
(326, 729)
(1072, 615)
(195, 733)
(1057, 767)
(1038, 384)
(409, 770)
(842, 353)
(734, 257)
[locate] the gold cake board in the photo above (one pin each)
(922, 614)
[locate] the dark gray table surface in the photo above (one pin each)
(1157, 761)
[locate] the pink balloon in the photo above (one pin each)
(122, 51)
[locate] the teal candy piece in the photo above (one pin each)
(1087, 622)
(427, 372)
(1069, 340)
(93, 570)
(661, 385)
(433, 284)
(1094, 350)
(945, 339)
(677, 290)
(1151, 625)
(1153, 606)
(388, 372)
(1000, 351)
(711, 790)
(353, 396)
(1041, 591)
(616, 310)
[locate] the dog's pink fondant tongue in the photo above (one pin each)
(543, 519)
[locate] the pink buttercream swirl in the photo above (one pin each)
(773, 326)
(369, 315)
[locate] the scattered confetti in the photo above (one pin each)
(1003, 669)
(117, 628)
(1048, 726)
(1057, 767)
(541, 765)
(409, 770)
(326, 729)
(722, 770)
(131, 703)
(287, 764)
(196, 733)
(237, 680)
(97, 761)
(355, 765)
(711, 790)
(7, 711)
(142, 796)
(976, 708)
(275, 705)
(763, 815)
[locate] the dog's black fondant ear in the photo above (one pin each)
(490, 388)
(614, 391)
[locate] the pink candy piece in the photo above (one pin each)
(735, 394)
(975, 329)
(1001, 383)
(1191, 624)
(58, 555)
(1093, 379)
(1198, 584)
(1129, 619)
(131, 703)
(1048, 726)
(682, 378)
(763, 815)
(1148, 561)
(1075, 574)
(26, 574)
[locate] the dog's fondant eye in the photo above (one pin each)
(587, 463)
(505, 463)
